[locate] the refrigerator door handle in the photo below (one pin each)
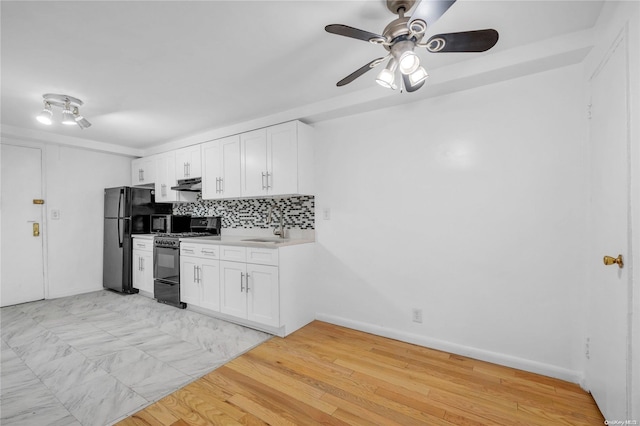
(120, 217)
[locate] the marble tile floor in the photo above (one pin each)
(96, 358)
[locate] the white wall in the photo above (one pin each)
(75, 179)
(471, 207)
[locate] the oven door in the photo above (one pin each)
(166, 264)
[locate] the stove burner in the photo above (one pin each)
(184, 234)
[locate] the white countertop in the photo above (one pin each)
(243, 240)
(239, 240)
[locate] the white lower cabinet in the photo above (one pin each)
(250, 291)
(263, 288)
(142, 264)
(200, 276)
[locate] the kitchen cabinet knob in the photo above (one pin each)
(608, 260)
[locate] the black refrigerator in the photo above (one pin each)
(127, 212)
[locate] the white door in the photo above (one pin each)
(263, 295)
(608, 328)
(233, 296)
(254, 163)
(189, 286)
(230, 150)
(22, 276)
(210, 284)
(282, 142)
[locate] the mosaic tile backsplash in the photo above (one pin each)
(299, 212)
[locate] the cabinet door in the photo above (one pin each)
(143, 171)
(233, 296)
(138, 272)
(146, 259)
(230, 183)
(254, 163)
(209, 275)
(282, 143)
(263, 294)
(165, 178)
(189, 286)
(211, 170)
(188, 162)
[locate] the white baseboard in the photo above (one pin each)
(455, 348)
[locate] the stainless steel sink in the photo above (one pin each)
(264, 240)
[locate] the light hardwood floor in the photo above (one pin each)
(325, 374)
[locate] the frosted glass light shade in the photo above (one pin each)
(408, 62)
(418, 76)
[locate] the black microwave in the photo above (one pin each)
(167, 223)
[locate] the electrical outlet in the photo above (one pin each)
(586, 348)
(417, 315)
(55, 214)
(326, 214)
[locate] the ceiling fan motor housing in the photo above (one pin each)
(395, 5)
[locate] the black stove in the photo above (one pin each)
(166, 258)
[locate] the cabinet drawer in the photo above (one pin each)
(262, 256)
(233, 253)
(142, 244)
(208, 251)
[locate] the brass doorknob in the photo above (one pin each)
(608, 260)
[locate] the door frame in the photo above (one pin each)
(44, 230)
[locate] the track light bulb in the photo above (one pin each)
(67, 115)
(46, 116)
(82, 122)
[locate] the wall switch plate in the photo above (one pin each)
(416, 315)
(326, 214)
(55, 214)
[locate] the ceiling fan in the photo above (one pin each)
(404, 34)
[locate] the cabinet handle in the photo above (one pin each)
(187, 250)
(263, 185)
(208, 252)
(221, 185)
(141, 175)
(247, 282)
(188, 169)
(163, 190)
(241, 280)
(195, 278)
(268, 186)
(142, 263)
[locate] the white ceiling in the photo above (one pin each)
(161, 72)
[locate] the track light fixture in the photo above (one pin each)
(70, 110)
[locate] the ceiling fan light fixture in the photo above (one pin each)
(46, 116)
(408, 62)
(418, 76)
(387, 76)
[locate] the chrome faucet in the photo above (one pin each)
(279, 232)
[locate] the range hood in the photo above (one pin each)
(191, 185)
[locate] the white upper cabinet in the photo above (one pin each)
(221, 168)
(277, 160)
(143, 171)
(166, 178)
(188, 163)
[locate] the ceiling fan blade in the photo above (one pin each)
(429, 11)
(407, 84)
(347, 31)
(467, 41)
(357, 73)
